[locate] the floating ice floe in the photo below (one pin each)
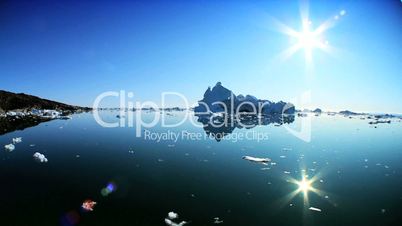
(40, 157)
(171, 223)
(263, 161)
(314, 209)
(172, 215)
(9, 147)
(217, 220)
(17, 140)
(286, 172)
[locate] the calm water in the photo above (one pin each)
(358, 168)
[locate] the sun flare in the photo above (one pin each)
(304, 185)
(310, 37)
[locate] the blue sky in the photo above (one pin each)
(73, 51)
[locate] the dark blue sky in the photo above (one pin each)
(72, 51)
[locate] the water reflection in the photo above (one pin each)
(218, 126)
(10, 124)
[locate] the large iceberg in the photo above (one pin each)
(221, 99)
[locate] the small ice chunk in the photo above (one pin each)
(282, 156)
(314, 209)
(40, 157)
(17, 140)
(172, 215)
(168, 222)
(217, 220)
(9, 147)
(171, 223)
(257, 160)
(286, 172)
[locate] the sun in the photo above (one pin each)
(308, 40)
(309, 37)
(304, 185)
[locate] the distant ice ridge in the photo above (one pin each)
(51, 114)
(40, 157)
(221, 99)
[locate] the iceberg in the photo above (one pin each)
(318, 111)
(9, 147)
(263, 161)
(221, 99)
(40, 157)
